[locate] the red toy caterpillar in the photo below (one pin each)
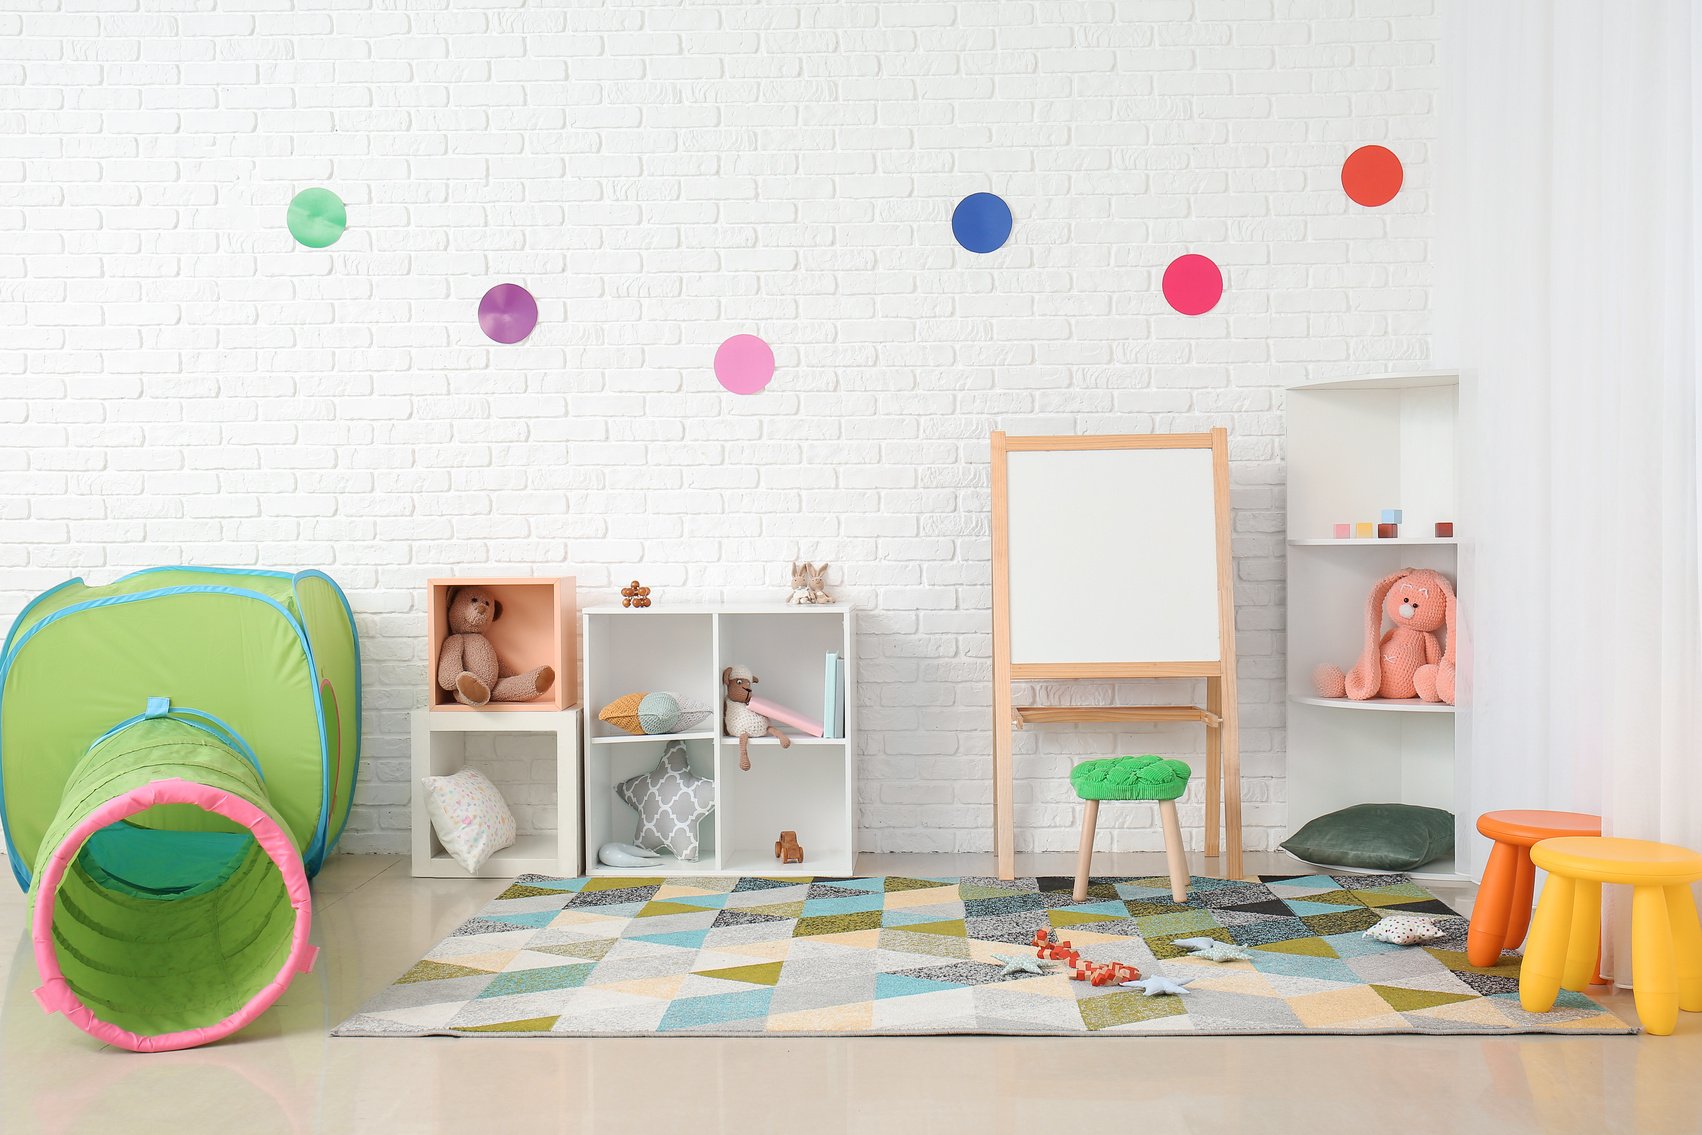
(1095, 973)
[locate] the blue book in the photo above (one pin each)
(830, 696)
(839, 696)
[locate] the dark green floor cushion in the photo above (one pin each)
(1380, 837)
(1130, 778)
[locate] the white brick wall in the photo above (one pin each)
(179, 382)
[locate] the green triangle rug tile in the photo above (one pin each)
(898, 955)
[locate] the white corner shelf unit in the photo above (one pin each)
(1355, 447)
(440, 748)
(810, 788)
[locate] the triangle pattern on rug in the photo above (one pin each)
(756, 956)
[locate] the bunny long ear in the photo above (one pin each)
(1366, 677)
(1451, 616)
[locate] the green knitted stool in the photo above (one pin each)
(1133, 778)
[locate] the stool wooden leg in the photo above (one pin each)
(1585, 942)
(1545, 952)
(1174, 850)
(1519, 914)
(1494, 898)
(1084, 858)
(1687, 946)
(1654, 976)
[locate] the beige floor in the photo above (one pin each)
(284, 1074)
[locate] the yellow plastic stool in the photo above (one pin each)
(1666, 939)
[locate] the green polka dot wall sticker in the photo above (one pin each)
(317, 217)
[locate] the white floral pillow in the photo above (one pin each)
(1406, 930)
(470, 817)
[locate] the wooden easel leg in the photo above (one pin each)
(1214, 766)
(1084, 857)
(1004, 810)
(1231, 778)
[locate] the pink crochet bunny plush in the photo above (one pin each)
(1408, 661)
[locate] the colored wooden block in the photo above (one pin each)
(1388, 531)
(1444, 528)
(1391, 516)
(1362, 530)
(1344, 531)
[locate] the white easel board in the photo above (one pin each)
(1111, 560)
(1113, 556)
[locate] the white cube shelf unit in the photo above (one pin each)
(810, 788)
(440, 748)
(1357, 446)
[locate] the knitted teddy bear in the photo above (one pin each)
(1408, 661)
(468, 665)
(740, 719)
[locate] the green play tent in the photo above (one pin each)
(178, 751)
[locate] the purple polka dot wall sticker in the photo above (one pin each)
(744, 364)
(508, 313)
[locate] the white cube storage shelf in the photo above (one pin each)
(1356, 446)
(440, 748)
(810, 788)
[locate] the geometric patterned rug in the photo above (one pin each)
(886, 955)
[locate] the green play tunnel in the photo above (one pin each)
(175, 763)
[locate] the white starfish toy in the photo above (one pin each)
(1158, 985)
(1017, 963)
(1211, 950)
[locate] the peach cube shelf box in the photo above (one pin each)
(536, 628)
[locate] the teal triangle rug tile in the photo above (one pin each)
(695, 1012)
(857, 904)
(692, 939)
(904, 985)
(899, 956)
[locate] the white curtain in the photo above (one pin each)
(1567, 292)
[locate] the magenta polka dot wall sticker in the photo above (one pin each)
(744, 364)
(508, 313)
(316, 217)
(1193, 284)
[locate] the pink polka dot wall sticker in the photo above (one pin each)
(1193, 284)
(744, 364)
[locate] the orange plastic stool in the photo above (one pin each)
(1666, 938)
(1502, 912)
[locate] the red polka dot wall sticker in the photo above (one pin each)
(1371, 176)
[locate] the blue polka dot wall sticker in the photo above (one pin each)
(316, 217)
(981, 222)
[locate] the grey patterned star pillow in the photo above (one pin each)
(671, 802)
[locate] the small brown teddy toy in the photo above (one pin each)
(469, 666)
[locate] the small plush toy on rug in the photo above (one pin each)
(1158, 985)
(1018, 963)
(468, 665)
(1211, 950)
(1405, 930)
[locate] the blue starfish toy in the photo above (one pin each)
(1158, 985)
(1211, 950)
(1019, 964)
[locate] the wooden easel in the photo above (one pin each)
(1218, 715)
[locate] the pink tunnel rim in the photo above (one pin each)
(56, 994)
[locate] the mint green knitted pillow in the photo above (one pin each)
(1130, 778)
